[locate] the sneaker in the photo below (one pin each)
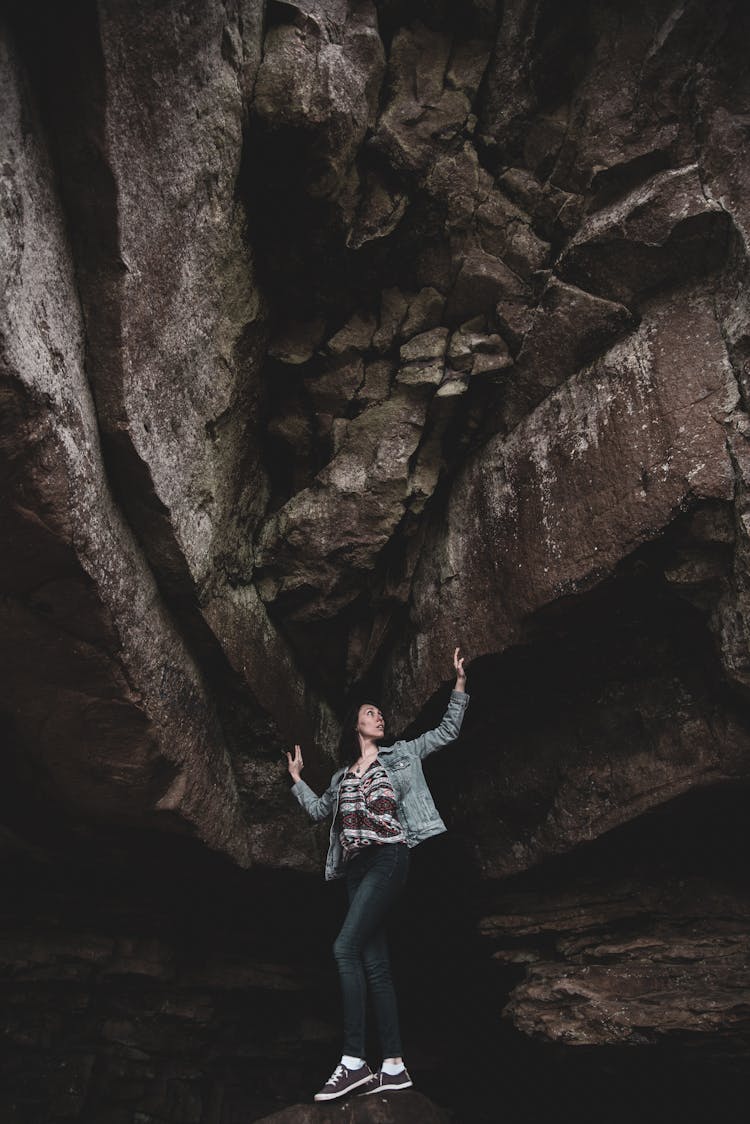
(387, 1082)
(343, 1081)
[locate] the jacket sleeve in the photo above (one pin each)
(446, 732)
(316, 806)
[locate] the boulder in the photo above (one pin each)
(428, 105)
(638, 964)
(673, 373)
(107, 698)
(383, 1108)
(663, 231)
(318, 83)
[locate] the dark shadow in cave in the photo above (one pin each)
(265, 1047)
(465, 1054)
(594, 671)
(592, 667)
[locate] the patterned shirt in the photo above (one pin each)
(369, 810)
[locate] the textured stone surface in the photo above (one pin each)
(120, 718)
(633, 964)
(129, 724)
(319, 81)
(333, 335)
(171, 352)
(382, 1109)
(515, 537)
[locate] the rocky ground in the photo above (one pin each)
(335, 333)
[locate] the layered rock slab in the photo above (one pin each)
(602, 465)
(101, 687)
(174, 383)
(175, 318)
(379, 1109)
(637, 964)
(318, 84)
(609, 728)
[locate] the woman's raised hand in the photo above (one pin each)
(458, 663)
(294, 764)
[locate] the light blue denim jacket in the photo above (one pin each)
(403, 763)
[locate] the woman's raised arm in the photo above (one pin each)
(458, 663)
(450, 726)
(295, 764)
(318, 807)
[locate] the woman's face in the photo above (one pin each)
(370, 722)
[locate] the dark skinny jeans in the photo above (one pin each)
(374, 880)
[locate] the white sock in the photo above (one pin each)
(352, 1063)
(392, 1068)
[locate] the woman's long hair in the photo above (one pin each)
(349, 741)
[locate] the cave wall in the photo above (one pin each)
(332, 335)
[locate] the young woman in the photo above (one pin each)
(381, 808)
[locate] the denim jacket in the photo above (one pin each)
(402, 762)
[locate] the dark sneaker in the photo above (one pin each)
(343, 1081)
(387, 1082)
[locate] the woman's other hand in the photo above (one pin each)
(294, 764)
(458, 663)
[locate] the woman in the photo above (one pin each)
(381, 807)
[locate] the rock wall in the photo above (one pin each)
(333, 335)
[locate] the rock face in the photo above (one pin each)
(333, 335)
(651, 956)
(383, 1109)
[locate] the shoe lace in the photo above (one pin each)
(337, 1074)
